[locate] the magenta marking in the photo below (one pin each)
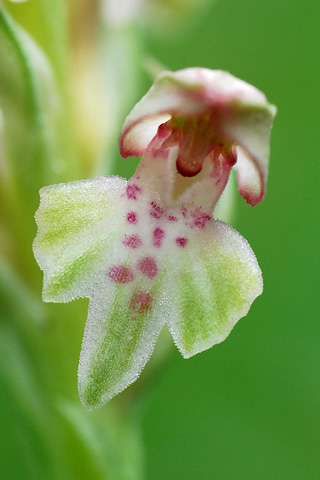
(156, 211)
(132, 191)
(158, 236)
(201, 221)
(148, 266)
(132, 241)
(120, 274)
(141, 302)
(181, 241)
(160, 152)
(132, 217)
(172, 218)
(164, 131)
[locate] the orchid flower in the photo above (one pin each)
(148, 251)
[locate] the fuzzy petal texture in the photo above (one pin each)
(80, 247)
(77, 225)
(141, 265)
(212, 284)
(123, 324)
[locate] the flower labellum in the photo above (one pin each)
(148, 250)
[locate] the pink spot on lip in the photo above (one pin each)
(141, 302)
(132, 217)
(148, 266)
(120, 274)
(158, 236)
(132, 191)
(132, 241)
(201, 220)
(172, 218)
(156, 211)
(181, 241)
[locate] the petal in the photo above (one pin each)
(78, 224)
(123, 324)
(250, 128)
(212, 284)
(33, 112)
(251, 180)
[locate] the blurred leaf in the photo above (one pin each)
(33, 150)
(33, 431)
(110, 442)
(17, 298)
(46, 22)
(30, 108)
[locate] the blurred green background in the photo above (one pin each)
(249, 408)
